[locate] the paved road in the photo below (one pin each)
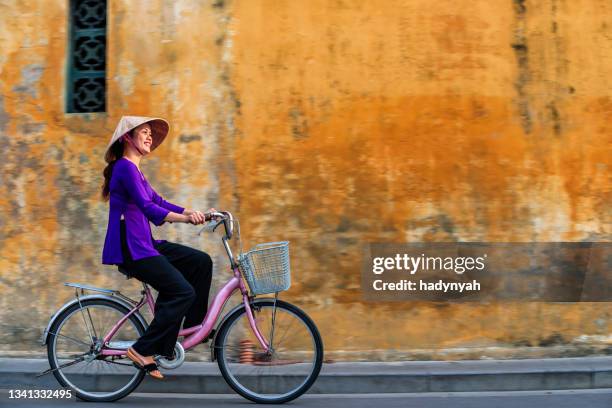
(594, 398)
(368, 377)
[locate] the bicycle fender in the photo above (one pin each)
(235, 309)
(213, 341)
(45, 335)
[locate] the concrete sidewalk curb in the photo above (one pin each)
(369, 377)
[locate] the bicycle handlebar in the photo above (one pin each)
(227, 219)
(220, 214)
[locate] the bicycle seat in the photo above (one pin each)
(124, 271)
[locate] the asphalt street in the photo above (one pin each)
(592, 398)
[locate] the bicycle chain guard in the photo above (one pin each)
(177, 361)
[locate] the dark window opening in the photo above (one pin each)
(87, 59)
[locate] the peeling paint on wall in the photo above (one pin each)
(30, 77)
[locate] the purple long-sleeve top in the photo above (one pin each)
(133, 197)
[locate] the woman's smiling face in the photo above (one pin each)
(143, 138)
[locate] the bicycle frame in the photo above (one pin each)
(194, 335)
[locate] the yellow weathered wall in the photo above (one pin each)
(331, 124)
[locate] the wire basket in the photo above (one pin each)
(266, 267)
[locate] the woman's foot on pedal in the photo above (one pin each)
(146, 363)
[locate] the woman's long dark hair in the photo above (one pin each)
(116, 151)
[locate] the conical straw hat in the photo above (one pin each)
(159, 131)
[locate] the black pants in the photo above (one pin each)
(182, 277)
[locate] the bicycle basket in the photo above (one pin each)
(266, 267)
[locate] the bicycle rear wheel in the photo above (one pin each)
(75, 340)
(285, 373)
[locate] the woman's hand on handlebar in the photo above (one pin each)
(208, 216)
(193, 216)
(196, 217)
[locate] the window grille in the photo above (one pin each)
(87, 57)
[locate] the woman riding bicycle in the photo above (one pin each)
(182, 275)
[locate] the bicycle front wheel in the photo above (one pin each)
(278, 376)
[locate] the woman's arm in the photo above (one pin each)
(176, 217)
(130, 178)
(159, 200)
(174, 209)
(194, 217)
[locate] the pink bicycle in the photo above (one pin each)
(268, 350)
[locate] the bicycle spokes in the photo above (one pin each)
(284, 367)
(77, 342)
